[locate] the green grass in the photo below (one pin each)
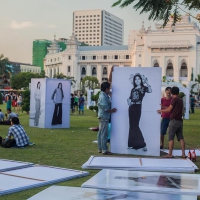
(70, 148)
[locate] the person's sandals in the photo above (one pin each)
(107, 153)
(100, 151)
(184, 157)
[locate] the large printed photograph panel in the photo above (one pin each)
(58, 103)
(136, 93)
(37, 103)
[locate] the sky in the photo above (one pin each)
(23, 21)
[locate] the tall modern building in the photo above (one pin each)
(98, 28)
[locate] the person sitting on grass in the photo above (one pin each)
(9, 116)
(1, 116)
(176, 122)
(20, 138)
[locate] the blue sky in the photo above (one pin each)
(22, 21)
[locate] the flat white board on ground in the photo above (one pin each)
(140, 164)
(6, 165)
(50, 103)
(136, 124)
(75, 193)
(139, 181)
(35, 176)
(178, 152)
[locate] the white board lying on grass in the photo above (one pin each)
(178, 152)
(140, 164)
(35, 176)
(138, 181)
(74, 193)
(6, 165)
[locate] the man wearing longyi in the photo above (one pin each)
(176, 122)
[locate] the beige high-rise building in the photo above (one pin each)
(98, 28)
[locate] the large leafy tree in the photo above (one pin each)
(22, 80)
(90, 82)
(4, 62)
(162, 9)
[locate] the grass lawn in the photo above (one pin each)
(70, 148)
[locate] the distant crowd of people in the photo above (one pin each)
(77, 103)
(13, 101)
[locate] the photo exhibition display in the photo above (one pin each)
(50, 103)
(136, 93)
(75, 193)
(139, 181)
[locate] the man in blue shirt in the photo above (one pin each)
(1, 116)
(104, 112)
(18, 133)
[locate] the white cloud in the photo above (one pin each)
(52, 26)
(22, 25)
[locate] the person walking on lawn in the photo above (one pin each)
(176, 122)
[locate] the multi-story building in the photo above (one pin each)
(30, 68)
(98, 27)
(176, 49)
(40, 50)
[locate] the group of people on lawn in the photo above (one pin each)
(171, 112)
(17, 136)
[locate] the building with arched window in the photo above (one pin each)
(176, 49)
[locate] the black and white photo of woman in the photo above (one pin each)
(57, 98)
(37, 96)
(140, 88)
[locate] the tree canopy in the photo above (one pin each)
(22, 80)
(90, 82)
(162, 9)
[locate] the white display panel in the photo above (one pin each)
(177, 152)
(140, 164)
(136, 127)
(37, 103)
(155, 182)
(74, 193)
(54, 111)
(22, 179)
(6, 165)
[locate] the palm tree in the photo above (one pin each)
(4, 62)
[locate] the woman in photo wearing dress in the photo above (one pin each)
(140, 88)
(37, 96)
(57, 98)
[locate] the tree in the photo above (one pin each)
(162, 9)
(90, 82)
(198, 82)
(26, 101)
(4, 62)
(62, 76)
(22, 80)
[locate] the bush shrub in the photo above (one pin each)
(1, 98)
(26, 101)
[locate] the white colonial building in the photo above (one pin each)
(175, 48)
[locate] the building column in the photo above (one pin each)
(176, 68)
(163, 65)
(99, 72)
(88, 70)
